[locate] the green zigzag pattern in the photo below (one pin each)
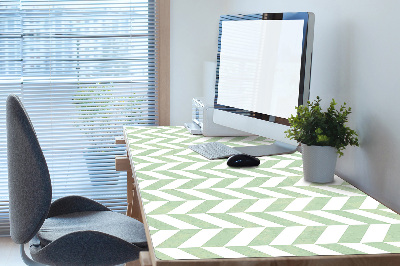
(199, 209)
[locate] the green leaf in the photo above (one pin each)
(312, 126)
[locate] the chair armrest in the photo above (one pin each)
(72, 204)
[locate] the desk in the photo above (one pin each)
(201, 212)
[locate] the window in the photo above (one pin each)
(83, 69)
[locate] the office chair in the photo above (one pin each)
(70, 231)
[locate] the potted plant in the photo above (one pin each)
(323, 135)
(99, 108)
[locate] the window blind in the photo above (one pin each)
(83, 69)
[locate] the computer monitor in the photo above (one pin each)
(263, 73)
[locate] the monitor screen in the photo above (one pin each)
(260, 63)
(263, 71)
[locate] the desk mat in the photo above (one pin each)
(201, 209)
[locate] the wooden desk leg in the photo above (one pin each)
(133, 263)
(133, 210)
(129, 193)
(145, 259)
(133, 200)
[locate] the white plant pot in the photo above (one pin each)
(319, 163)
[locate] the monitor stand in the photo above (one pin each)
(267, 150)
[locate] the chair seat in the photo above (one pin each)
(108, 222)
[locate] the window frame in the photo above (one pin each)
(163, 88)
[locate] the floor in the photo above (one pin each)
(9, 253)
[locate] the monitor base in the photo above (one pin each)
(268, 150)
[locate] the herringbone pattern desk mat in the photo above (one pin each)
(197, 208)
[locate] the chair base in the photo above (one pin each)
(26, 259)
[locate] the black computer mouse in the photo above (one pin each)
(242, 160)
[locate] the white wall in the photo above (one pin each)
(194, 41)
(356, 59)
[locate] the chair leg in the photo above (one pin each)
(26, 259)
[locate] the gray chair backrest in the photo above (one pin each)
(29, 183)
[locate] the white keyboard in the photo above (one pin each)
(214, 150)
